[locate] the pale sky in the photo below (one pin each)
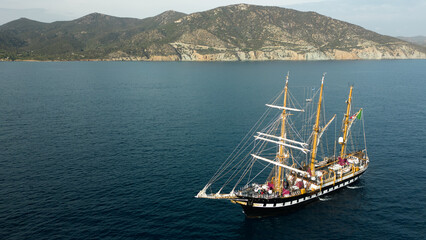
(389, 17)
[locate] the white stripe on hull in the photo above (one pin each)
(313, 196)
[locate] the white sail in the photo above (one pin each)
(304, 150)
(280, 164)
(285, 108)
(283, 139)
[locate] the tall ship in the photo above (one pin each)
(286, 162)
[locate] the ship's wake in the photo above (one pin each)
(326, 198)
(354, 187)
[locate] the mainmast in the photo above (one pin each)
(281, 153)
(346, 124)
(316, 130)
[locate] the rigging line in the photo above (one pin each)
(274, 120)
(310, 116)
(264, 149)
(249, 176)
(231, 158)
(246, 137)
(259, 172)
(270, 130)
(308, 126)
(294, 161)
(310, 138)
(251, 168)
(335, 138)
(245, 173)
(221, 175)
(247, 169)
(304, 107)
(294, 101)
(268, 149)
(228, 169)
(235, 172)
(294, 130)
(325, 122)
(363, 129)
(313, 113)
(357, 137)
(276, 117)
(322, 150)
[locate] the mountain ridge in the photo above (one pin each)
(419, 40)
(238, 32)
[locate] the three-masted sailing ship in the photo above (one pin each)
(287, 159)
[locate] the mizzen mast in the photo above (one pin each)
(346, 124)
(316, 130)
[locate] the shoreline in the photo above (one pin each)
(269, 60)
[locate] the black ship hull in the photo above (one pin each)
(260, 207)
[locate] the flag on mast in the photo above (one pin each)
(357, 115)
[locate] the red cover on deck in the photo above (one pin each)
(300, 185)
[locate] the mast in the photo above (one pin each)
(346, 124)
(281, 154)
(316, 130)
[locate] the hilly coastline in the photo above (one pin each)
(233, 33)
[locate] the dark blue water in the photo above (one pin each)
(114, 150)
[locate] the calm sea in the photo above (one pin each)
(118, 150)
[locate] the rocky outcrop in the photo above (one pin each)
(189, 52)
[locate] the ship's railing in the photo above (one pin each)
(329, 174)
(251, 194)
(258, 195)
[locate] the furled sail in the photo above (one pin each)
(279, 164)
(285, 108)
(304, 150)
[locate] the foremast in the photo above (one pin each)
(316, 130)
(281, 153)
